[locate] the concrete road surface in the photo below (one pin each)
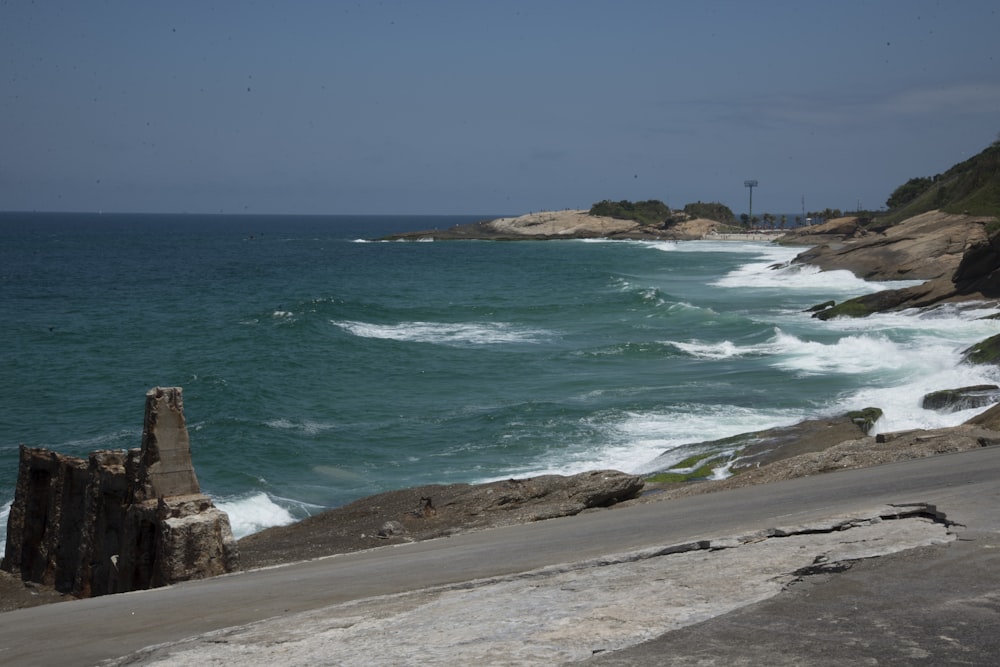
(965, 487)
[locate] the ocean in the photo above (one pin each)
(320, 366)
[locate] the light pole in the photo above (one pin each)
(751, 185)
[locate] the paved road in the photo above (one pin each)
(88, 631)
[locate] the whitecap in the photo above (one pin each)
(308, 426)
(853, 354)
(722, 350)
(443, 333)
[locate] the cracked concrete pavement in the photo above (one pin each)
(562, 613)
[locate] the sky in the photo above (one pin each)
(486, 107)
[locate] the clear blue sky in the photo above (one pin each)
(486, 107)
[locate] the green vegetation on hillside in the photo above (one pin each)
(711, 211)
(972, 187)
(650, 212)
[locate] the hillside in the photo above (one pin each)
(971, 187)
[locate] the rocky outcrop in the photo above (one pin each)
(119, 520)
(566, 224)
(963, 398)
(928, 246)
(832, 231)
(438, 510)
(984, 352)
(954, 254)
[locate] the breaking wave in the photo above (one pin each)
(443, 333)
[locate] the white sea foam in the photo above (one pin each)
(804, 278)
(443, 333)
(854, 354)
(906, 355)
(901, 405)
(4, 515)
(309, 427)
(253, 513)
(648, 435)
(775, 253)
(631, 441)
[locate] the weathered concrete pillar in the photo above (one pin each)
(119, 521)
(46, 520)
(107, 496)
(166, 468)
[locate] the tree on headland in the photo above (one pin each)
(649, 212)
(826, 214)
(710, 211)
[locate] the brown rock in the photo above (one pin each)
(400, 516)
(832, 231)
(927, 246)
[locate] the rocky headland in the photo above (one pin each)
(954, 255)
(568, 224)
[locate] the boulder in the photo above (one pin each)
(119, 520)
(963, 398)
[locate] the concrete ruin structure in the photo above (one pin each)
(119, 520)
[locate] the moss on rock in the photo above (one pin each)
(984, 352)
(865, 418)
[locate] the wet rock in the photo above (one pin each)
(984, 352)
(963, 398)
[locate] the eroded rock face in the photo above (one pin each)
(118, 521)
(927, 246)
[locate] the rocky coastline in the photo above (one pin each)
(953, 255)
(566, 224)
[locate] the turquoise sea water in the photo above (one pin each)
(318, 368)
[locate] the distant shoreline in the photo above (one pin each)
(569, 224)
